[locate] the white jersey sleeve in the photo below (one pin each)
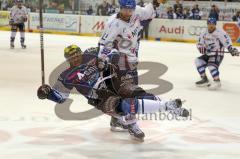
(201, 41)
(225, 39)
(146, 12)
(19, 15)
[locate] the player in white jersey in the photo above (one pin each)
(122, 34)
(212, 44)
(123, 29)
(18, 16)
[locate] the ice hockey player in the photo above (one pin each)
(123, 30)
(211, 45)
(123, 33)
(111, 97)
(18, 16)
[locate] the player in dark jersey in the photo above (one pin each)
(100, 84)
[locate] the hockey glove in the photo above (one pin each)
(25, 19)
(43, 91)
(102, 64)
(11, 22)
(202, 49)
(233, 51)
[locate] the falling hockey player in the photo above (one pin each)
(102, 88)
(18, 16)
(212, 44)
(123, 33)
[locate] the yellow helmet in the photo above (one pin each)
(72, 50)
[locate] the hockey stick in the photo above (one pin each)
(41, 41)
(225, 52)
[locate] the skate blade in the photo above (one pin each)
(214, 88)
(137, 139)
(114, 129)
(203, 85)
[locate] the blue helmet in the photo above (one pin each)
(130, 4)
(212, 21)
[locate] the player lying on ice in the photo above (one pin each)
(212, 44)
(103, 89)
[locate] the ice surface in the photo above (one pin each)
(29, 127)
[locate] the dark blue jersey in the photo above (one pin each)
(83, 78)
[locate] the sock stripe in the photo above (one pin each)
(201, 69)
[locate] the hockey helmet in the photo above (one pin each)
(71, 51)
(130, 4)
(212, 21)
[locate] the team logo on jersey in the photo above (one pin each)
(80, 76)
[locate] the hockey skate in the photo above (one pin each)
(175, 107)
(117, 125)
(215, 85)
(135, 132)
(11, 45)
(204, 82)
(23, 46)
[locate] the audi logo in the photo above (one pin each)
(196, 30)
